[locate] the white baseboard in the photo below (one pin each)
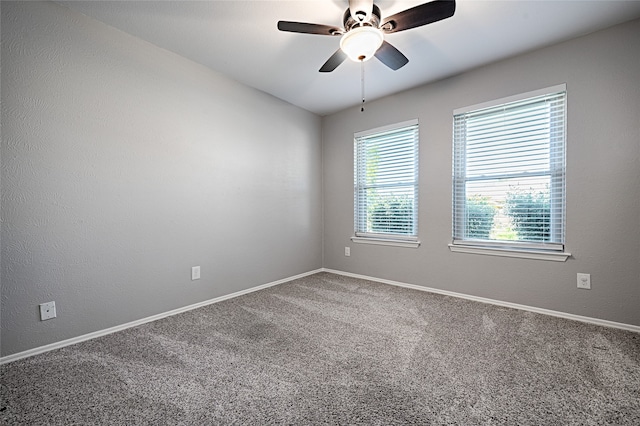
(590, 320)
(99, 333)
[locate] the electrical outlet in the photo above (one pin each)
(195, 273)
(584, 281)
(347, 251)
(47, 311)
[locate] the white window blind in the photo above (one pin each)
(509, 173)
(386, 182)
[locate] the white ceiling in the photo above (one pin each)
(240, 39)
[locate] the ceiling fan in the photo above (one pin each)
(364, 29)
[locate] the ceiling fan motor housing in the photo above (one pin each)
(350, 23)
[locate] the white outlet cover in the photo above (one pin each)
(584, 281)
(195, 273)
(47, 311)
(347, 251)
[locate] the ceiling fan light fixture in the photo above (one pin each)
(361, 43)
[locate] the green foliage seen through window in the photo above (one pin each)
(530, 214)
(480, 217)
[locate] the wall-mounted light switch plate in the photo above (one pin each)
(195, 273)
(47, 311)
(347, 251)
(584, 281)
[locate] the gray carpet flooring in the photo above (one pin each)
(328, 349)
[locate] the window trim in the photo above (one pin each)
(559, 256)
(410, 241)
(518, 249)
(386, 242)
(514, 98)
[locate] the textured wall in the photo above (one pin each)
(603, 183)
(123, 165)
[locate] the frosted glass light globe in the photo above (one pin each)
(361, 43)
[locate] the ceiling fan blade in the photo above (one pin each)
(333, 62)
(420, 15)
(391, 57)
(305, 28)
(361, 9)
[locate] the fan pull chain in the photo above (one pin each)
(362, 83)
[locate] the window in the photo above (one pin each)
(386, 185)
(509, 176)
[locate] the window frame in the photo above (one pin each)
(387, 239)
(523, 249)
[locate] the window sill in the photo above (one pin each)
(511, 252)
(386, 242)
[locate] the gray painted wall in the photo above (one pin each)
(603, 184)
(123, 165)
